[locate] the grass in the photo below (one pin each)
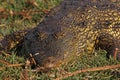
(98, 59)
(16, 15)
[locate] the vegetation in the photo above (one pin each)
(23, 14)
(18, 15)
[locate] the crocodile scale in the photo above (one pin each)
(73, 28)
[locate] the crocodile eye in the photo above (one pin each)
(59, 35)
(41, 35)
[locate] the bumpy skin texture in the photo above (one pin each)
(73, 28)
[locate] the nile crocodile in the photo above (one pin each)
(73, 28)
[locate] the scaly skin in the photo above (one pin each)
(73, 28)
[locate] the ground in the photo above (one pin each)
(27, 15)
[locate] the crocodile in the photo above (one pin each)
(71, 29)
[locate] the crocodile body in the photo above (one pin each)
(73, 28)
